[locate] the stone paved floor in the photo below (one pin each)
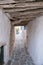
(20, 55)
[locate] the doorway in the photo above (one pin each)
(2, 55)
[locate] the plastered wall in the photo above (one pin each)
(5, 27)
(35, 40)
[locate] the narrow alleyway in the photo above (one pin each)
(20, 55)
(25, 48)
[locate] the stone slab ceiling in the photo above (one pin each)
(22, 11)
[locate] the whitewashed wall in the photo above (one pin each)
(35, 40)
(5, 27)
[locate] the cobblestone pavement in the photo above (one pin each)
(20, 56)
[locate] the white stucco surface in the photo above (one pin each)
(35, 40)
(5, 27)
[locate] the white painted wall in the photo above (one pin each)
(5, 34)
(35, 40)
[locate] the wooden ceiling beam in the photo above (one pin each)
(22, 21)
(4, 2)
(8, 5)
(13, 2)
(22, 11)
(20, 24)
(7, 2)
(23, 18)
(26, 14)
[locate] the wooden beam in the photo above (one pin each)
(22, 10)
(16, 22)
(38, 0)
(22, 5)
(19, 24)
(7, 2)
(25, 18)
(14, 2)
(26, 14)
(22, 21)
